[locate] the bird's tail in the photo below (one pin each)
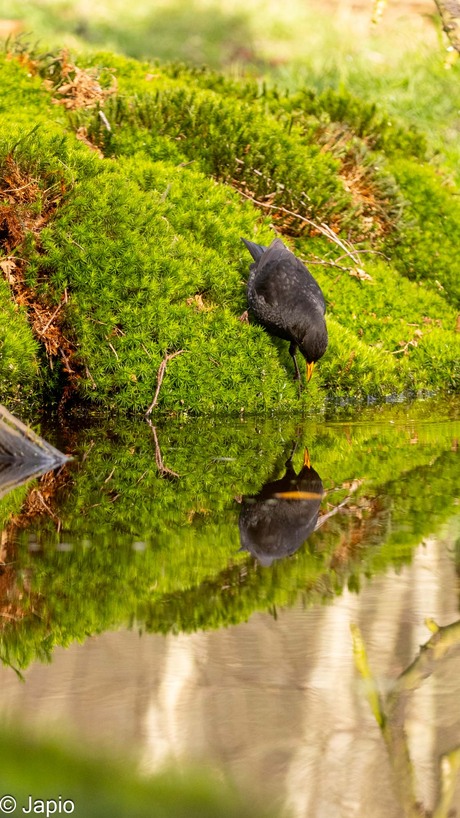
(256, 250)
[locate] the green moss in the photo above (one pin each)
(437, 357)
(146, 244)
(11, 504)
(133, 262)
(382, 343)
(426, 246)
(296, 150)
(314, 111)
(19, 371)
(366, 120)
(228, 138)
(18, 85)
(354, 368)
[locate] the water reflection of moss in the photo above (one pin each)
(314, 574)
(11, 504)
(134, 547)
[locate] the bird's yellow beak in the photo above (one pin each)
(310, 369)
(306, 459)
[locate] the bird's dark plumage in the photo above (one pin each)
(276, 522)
(287, 301)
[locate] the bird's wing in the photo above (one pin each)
(282, 278)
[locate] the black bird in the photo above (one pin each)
(276, 522)
(287, 301)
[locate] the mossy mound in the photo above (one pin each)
(126, 252)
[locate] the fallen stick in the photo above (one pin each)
(160, 376)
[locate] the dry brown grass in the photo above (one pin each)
(27, 208)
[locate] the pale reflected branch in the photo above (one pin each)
(430, 653)
(389, 714)
(449, 771)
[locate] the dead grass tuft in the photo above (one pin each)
(376, 211)
(76, 87)
(27, 208)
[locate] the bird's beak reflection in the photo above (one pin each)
(310, 369)
(297, 495)
(275, 523)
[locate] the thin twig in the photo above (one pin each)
(81, 248)
(105, 121)
(370, 252)
(113, 350)
(92, 443)
(164, 471)
(329, 233)
(18, 189)
(327, 263)
(160, 376)
(59, 306)
(328, 514)
(88, 375)
(322, 228)
(49, 510)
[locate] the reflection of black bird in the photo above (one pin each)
(278, 520)
(287, 301)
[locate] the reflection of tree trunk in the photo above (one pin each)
(394, 734)
(450, 767)
(449, 11)
(390, 715)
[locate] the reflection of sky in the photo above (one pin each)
(276, 703)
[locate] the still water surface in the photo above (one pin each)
(169, 641)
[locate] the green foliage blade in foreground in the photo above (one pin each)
(108, 788)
